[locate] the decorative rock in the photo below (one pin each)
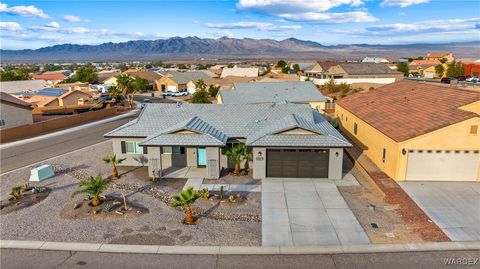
(119, 213)
(76, 206)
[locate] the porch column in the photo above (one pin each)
(154, 161)
(335, 163)
(259, 163)
(213, 162)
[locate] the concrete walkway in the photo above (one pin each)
(453, 206)
(197, 184)
(306, 212)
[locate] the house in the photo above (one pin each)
(20, 86)
(416, 131)
(303, 65)
(14, 112)
(51, 77)
(286, 140)
(240, 72)
(319, 70)
(227, 82)
(419, 69)
(374, 60)
(430, 71)
(181, 81)
(363, 70)
(440, 55)
(58, 97)
(298, 92)
(471, 69)
(111, 81)
(152, 77)
(425, 62)
(106, 74)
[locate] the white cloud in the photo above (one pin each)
(10, 26)
(24, 11)
(261, 26)
(79, 30)
(218, 34)
(314, 11)
(53, 24)
(402, 3)
(73, 18)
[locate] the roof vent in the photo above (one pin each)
(179, 104)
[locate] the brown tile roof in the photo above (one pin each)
(5, 97)
(416, 62)
(407, 109)
(56, 76)
(148, 75)
(437, 54)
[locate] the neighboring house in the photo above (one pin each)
(53, 78)
(20, 86)
(240, 72)
(58, 97)
(472, 69)
(106, 74)
(299, 92)
(416, 131)
(363, 70)
(304, 65)
(375, 60)
(440, 55)
(419, 69)
(14, 112)
(320, 70)
(152, 77)
(181, 81)
(288, 140)
(111, 81)
(75, 97)
(430, 72)
(425, 62)
(227, 82)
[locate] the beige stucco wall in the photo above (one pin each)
(131, 159)
(259, 162)
(14, 115)
(72, 99)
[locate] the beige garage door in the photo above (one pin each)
(443, 165)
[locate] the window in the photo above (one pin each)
(474, 129)
(2, 122)
(173, 150)
(132, 147)
(384, 155)
(355, 128)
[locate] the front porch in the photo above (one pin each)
(185, 172)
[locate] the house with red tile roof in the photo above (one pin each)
(416, 131)
(52, 77)
(440, 55)
(14, 112)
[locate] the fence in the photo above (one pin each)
(30, 130)
(318, 81)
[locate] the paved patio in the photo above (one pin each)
(198, 184)
(185, 172)
(453, 206)
(302, 212)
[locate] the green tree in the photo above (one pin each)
(455, 69)
(331, 86)
(286, 69)
(115, 93)
(123, 67)
(237, 154)
(94, 187)
(125, 84)
(86, 74)
(112, 159)
(201, 94)
(403, 67)
(185, 200)
(443, 60)
(157, 63)
(22, 73)
(344, 88)
(213, 90)
(296, 68)
(230, 65)
(439, 70)
(281, 64)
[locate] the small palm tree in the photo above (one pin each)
(237, 154)
(16, 192)
(184, 200)
(94, 186)
(112, 159)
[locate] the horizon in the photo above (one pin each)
(33, 25)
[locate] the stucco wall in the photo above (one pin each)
(15, 116)
(259, 163)
(335, 163)
(131, 159)
(213, 162)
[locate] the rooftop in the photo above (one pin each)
(240, 72)
(54, 92)
(367, 68)
(5, 97)
(407, 109)
(185, 77)
(54, 76)
(22, 85)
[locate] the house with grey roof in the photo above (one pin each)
(298, 92)
(181, 81)
(363, 70)
(286, 140)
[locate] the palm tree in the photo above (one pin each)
(114, 92)
(94, 186)
(124, 83)
(184, 200)
(112, 159)
(237, 154)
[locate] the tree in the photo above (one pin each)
(200, 97)
(296, 68)
(439, 70)
(115, 93)
(331, 86)
(21, 73)
(123, 67)
(94, 187)
(112, 159)
(403, 67)
(281, 64)
(84, 74)
(443, 60)
(344, 88)
(213, 90)
(16, 191)
(124, 83)
(230, 65)
(286, 69)
(455, 69)
(237, 154)
(157, 63)
(185, 200)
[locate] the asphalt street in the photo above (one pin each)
(25, 259)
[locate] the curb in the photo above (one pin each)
(232, 250)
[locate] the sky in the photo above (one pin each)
(35, 24)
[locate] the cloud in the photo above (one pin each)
(261, 26)
(23, 11)
(217, 34)
(402, 3)
(10, 26)
(73, 18)
(314, 11)
(53, 24)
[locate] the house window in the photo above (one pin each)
(384, 155)
(355, 128)
(474, 129)
(173, 150)
(132, 147)
(2, 122)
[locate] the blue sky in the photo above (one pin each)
(35, 24)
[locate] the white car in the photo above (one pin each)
(185, 93)
(472, 79)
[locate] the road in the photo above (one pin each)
(24, 259)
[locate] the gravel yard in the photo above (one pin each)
(162, 225)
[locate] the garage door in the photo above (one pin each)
(309, 163)
(443, 165)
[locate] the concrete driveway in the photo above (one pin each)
(453, 206)
(302, 212)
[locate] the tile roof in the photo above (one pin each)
(437, 54)
(22, 85)
(367, 68)
(431, 62)
(55, 76)
(240, 72)
(148, 75)
(407, 109)
(272, 92)
(185, 77)
(214, 124)
(5, 97)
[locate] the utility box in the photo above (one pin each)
(41, 173)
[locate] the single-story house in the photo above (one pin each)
(14, 112)
(181, 81)
(363, 70)
(416, 131)
(298, 92)
(227, 82)
(374, 60)
(240, 72)
(319, 70)
(52, 77)
(286, 140)
(20, 86)
(303, 65)
(58, 97)
(419, 69)
(106, 74)
(425, 62)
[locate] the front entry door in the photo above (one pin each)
(201, 157)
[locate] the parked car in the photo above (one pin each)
(182, 93)
(462, 78)
(168, 93)
(446, 80)
(473, 79)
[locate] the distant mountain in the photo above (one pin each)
(225, 48)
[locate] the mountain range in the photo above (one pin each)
(178, 48)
